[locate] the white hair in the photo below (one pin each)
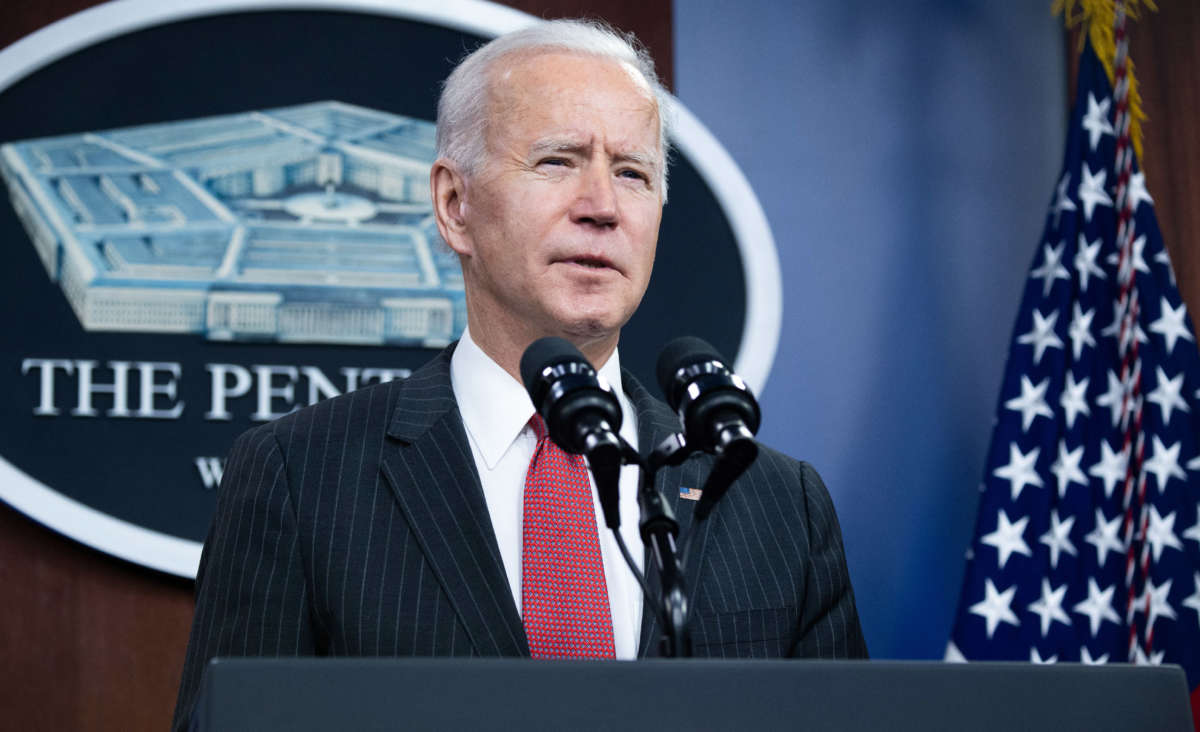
(462, 112)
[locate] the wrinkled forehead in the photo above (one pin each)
(505, 66)
(526, 80)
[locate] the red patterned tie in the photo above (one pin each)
(564, 597)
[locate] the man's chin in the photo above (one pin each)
(583, 329)
(586, 320)
(589, 329)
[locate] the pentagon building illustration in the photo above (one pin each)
(308, 224)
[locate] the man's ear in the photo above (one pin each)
(447, 188)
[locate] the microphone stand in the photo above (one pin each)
(659, 528)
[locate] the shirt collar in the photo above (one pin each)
(494, 405)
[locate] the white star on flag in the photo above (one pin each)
(1036, 658)
(1193, 600)
(1167, 394)
(1031, 403)
(1085, 657)
(1111, 468)
(1139, 258)
(1085, 261)
(1113, 397)
(953, 655)
(1007, 538)
(1020, 471)
(1114, 328)
(1058, 539)
(1161, 533)
(1091, 191)
(1048, 607)
(1154, 602)
(996, 607)
(1052, 267)
(1098, 606)
(1074, 400)
(1062, 200)
(1066, 469)
(1171, 325)
(1164, 463)
(1081, 330)
(1095, 122)
(1164, 260)
(1042, 335)
(1193, 532)
(1141, 659)
(1104, 537)
(1137, 190)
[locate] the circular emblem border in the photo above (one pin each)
(170, 554)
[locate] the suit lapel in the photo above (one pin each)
(655, 422)
(432, 473)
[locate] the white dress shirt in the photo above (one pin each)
(495, 411)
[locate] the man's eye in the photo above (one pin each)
(553, 161)
(634, 174)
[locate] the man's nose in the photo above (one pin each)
(596, 202)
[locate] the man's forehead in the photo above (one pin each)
(554, 68)
(536, 96)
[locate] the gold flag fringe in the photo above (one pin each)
(1097, 18)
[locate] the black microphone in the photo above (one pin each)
(581, 412)
(718, 411)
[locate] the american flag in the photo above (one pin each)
(1087, 544)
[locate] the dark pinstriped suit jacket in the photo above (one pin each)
(358, 527)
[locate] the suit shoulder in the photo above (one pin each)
(798, 473)
(336, 414)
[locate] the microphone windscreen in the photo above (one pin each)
(681, 352)
(542, 353)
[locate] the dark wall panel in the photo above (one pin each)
(1165, 46)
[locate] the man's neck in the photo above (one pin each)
(506, 348)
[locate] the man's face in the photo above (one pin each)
(561, 221)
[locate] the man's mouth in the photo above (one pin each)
(590, 262)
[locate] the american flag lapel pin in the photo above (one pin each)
(692, 494)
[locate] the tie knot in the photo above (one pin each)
(539, 426)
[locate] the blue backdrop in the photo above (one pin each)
(904, 154)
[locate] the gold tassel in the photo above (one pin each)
(1097, 18)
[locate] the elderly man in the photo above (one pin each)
(431, 516)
